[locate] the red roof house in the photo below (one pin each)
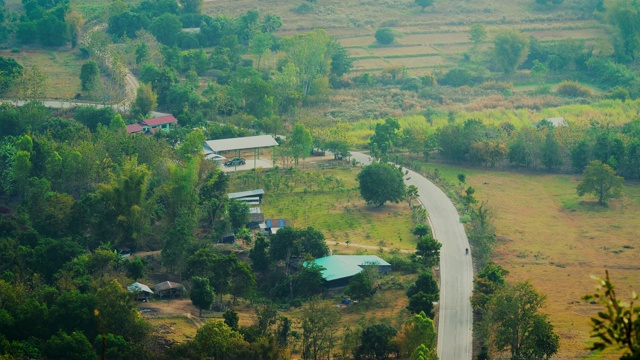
(152, 125)
(134, 128)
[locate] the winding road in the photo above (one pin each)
(456, 270)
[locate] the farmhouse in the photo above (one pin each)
(169, 289)
(142, 291)
(149, 126)
(339, 269)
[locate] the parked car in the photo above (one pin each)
(235, 162)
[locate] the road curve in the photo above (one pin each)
(456, 270)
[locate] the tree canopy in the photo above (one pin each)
(381, 182)
(599, 179)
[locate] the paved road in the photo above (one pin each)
(456, 271)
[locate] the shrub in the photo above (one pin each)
(573, 89)
(457, 77)
(385, 36)
(304, 8)
(497, 85)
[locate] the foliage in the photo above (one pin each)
(319, 325)
(428, 251)
(377, 342)
(385, 137)
(360, 286)
(424, 3)
(10, 71)
(145, 102)
(573, 89)
(311, 54)
(381, 182)
(201, 293)
(510, 49)
(477, 33)
(385, 36)
(624, 15)
(89, 75)
(300, 142)
(517, 325)
(418, 331)
(217, 340)
(619, 323)
(600, 180)
(422, 294)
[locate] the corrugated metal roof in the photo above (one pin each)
(241, 194)
(342, 266)
(167, 119)
(165, 285)
(241, 143)
(134, 128)
(136, 286)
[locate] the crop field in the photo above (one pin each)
(441, 29)
(549, 235)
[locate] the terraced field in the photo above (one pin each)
(435, 39)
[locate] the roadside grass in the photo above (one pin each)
(61, 69)
(557, 240)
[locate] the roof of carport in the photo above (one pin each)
(242, 143)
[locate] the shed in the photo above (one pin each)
(271, 226)
(142, 291)
(169, 289)
(256, 217)
(227, 239)
(339, 269)
(251, 197)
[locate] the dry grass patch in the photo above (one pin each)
(404, 50)
(61, 69)
(548, 235)
(366, 64)
(412, 62)
(177, 328)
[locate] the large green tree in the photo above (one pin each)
(300, 142)
(10, 70)
(377, 342)
(624, 15)
(600, 179)
(311, 55)
(381, 182)
(201, 293)
(428, 251)
(320, 323)
(518, 326)
(511, 48)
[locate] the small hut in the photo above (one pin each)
(142, 291)
(169, 290)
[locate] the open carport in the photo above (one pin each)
(236, 145)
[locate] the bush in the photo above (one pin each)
(385, 36)
(457, 78)
(403, 265)
(304, 8)
(497, 85)
(573, 89)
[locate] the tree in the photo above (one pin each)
(259, 45)
(310, 54)
(625, 16)
(72, 347)
(423, 294)
(421, 230)
(341, 62)
(300, 142)
(201, 294)
(477, 33)
(618, 324)
(600, 180)
(428, 250)
(551, 156)
(259, 255)
(166, 28)
(377, 342)
(89, 75)
(218, 341)
(360, 286)
(517, 325)
(418, 331)
(319, 326)
(385, 136)
(10, 71)
(511, 48)
(381, 182)
(238, 214)
(384, 36)
(424, 3)
(145, 102)
(231, 318)
(191, 6)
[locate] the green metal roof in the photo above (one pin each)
(342, 266)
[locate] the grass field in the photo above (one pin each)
(61, 69)
(549, 235)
